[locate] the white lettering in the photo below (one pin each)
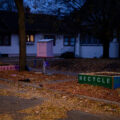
(108, 81)
(89, 79)
(93, 79)
(103, 81)
(98, 80)
(84, 78)
(80, 78)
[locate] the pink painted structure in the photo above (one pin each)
(45, 48)
(9, 67)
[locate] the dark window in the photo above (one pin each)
(5, 40)
(88, 39)
(69, 41)
(50, 37)
(30, 39)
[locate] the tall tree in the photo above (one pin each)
(22, 34)
(7, 5)
(101, 18)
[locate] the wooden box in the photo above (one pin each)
(106, 79)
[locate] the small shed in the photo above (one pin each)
(45, 48)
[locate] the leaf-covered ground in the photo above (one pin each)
(74, 65)
(35, 77)
(55, 105)
(80, 65)
(75, 88)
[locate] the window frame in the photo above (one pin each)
(3, 37)
(69, 40)
(89, 40)
(30, 42)
(48, 36)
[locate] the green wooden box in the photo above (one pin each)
(106, 79)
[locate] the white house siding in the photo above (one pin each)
(87, 51)
(31, 50)
(114, 49)
(77, 46)
(91, 51)
(13, 48)
(59, 48)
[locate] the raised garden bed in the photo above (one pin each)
(8, 67)
(106, 79)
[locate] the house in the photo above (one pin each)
(40, 26)
(88, 46)
(37, 27)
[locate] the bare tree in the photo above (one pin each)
(100, 18)
(7, 5)
(22, 34)
(74, 4)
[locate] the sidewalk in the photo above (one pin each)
(78, 115)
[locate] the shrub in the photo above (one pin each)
(67, 55)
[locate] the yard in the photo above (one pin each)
(82, 65)
(74, 65)
(58, 93)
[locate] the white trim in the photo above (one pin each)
(45, 40)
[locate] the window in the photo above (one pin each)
(50, 37)
(88, 39)
(5, 40)
(69, 41)
(30, 39)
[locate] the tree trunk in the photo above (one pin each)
(22, 35)
(106, 49)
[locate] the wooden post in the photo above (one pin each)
(44, 65)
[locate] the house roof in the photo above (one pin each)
(34, 23)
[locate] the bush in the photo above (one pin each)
(4, 55)
(67, 55)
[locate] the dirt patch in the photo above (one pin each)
(86, 90)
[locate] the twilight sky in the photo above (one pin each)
(43, 6)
